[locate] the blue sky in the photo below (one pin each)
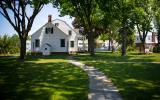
(40, 20)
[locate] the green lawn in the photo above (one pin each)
(136, 80)
(42, 78)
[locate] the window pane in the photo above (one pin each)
(62, 42)
(56, 24)
(37, 43)
(70, 32)
(72, 43)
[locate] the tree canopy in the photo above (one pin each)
(15, 11)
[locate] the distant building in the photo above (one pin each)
(151, 41)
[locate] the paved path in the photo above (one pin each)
(101, 88)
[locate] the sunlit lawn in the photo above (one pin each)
(42, 78)
(137, 80)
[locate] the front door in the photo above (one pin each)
(46, 51)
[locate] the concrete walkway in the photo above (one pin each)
(101, 88)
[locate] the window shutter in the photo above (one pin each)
(52, 30)
(46, 30)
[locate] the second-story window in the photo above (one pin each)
(49, 30)
(57, 24)
(70, 32)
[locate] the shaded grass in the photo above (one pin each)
(135, 81)
(45, 78)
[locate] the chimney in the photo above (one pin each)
(49, 18)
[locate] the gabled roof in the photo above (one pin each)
(66, 24)
(58, 27)
(45, 25)
(39, 29)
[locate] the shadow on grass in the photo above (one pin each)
(116, 57)
(41, 81)
(135, 81)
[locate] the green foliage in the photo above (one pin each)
(131, 48)
(103, 37)
(15, 12)
(9, 44)
(156, 20)
(156, 49)
(143, 16)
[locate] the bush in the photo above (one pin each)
(156, 49)
(131, 48)
(36, 53)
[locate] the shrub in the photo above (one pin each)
(156, 49)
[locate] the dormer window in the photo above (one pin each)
(49, 30)
(57, 24)
(70, 32)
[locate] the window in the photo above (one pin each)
(149, 38)
(70, 32)
(49, 30)
(72, 43)
(137, 38)
(56, 24)
(80, 38)
(37, 43)
(62, 42)
(80, 43)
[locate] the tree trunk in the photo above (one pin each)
(22, 48)
(91, 44)
(158, 38)
(112, 45)
(109, 46)
(143, 47)
(123, 43)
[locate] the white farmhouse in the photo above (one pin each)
(55, 37)
(151, 41)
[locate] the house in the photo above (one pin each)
(55, 37)
(151, 41)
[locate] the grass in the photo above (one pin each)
(137, 80)
(42, 78)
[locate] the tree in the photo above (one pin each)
(4, 44)
(15, 44)
(21, 22)
(156, 10)
(103, 37)
(120, 10)
(9, 44)
(143, 16)
(83, 11)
